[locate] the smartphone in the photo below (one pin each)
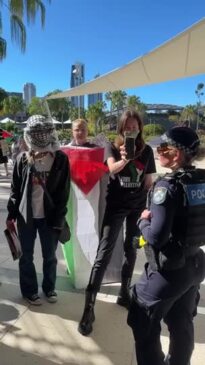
(130, 145)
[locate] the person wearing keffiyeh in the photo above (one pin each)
(43, 166)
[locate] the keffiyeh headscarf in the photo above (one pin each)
(40, 134)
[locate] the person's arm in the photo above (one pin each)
(148, 181)
(155, 225)
(116, 166)
(15, 194)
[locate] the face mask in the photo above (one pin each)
(131, 134)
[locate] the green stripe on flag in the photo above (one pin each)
(68, 246)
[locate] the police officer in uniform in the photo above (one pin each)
(172, 230)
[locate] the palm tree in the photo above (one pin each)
(108, 97)
(119, 98)
(17, 10)
(59, 108)
(95, 114)
(133, 101)
(199, 93)
(36, 106)
(188, 114)
(3, 95)
(13, 105)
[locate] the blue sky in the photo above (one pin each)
(104, 35)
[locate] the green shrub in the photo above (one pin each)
(64, 134)
(153, 130)
(111, 136)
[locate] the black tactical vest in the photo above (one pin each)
(189, 233)
(193, 219)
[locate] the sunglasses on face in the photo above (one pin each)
(163, 149)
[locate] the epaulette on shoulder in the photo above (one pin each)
(169, 176)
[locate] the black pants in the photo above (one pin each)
(115, 214)
(27, 271)
(172, 296)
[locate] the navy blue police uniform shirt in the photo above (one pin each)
(166, 208)
(129, 182)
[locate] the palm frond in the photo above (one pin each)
(17, 7)
(32, 6)
(2, 49)
(18, 31)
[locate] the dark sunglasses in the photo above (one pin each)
(164, 148)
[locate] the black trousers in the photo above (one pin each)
(115, 214)
(49, 241)
(172, 296)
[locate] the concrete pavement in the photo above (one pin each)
(48, 335)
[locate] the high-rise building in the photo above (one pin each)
(77, 78)
(29, 92)
(94, 98)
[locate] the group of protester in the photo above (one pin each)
(160, 211)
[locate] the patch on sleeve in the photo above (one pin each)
(159, 195)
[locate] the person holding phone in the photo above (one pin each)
(126, 199)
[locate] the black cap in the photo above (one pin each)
(183, 138)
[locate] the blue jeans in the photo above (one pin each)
(27, 272)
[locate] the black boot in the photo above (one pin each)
(85, 326)
(124, 297)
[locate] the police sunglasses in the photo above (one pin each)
(164, 148)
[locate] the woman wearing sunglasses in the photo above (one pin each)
(130, 178)
(173, 230)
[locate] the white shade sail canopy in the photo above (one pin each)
(182, 56)
(67, 122)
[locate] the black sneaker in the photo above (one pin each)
(33, 299)
(51, 296)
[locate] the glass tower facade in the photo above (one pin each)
(29, 91)
(77, 78)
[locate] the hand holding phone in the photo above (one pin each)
(130, 144)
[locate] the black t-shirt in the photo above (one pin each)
(130, 180)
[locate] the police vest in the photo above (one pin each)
(193, 220)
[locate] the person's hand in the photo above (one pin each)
(123, 153)
(146, 214)
(10, 224)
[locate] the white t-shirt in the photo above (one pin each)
(43, 166)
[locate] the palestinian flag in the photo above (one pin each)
(87, 168)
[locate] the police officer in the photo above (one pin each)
(173, 230)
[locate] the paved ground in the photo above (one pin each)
(48, 335)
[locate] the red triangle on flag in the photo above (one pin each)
(86, 165)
